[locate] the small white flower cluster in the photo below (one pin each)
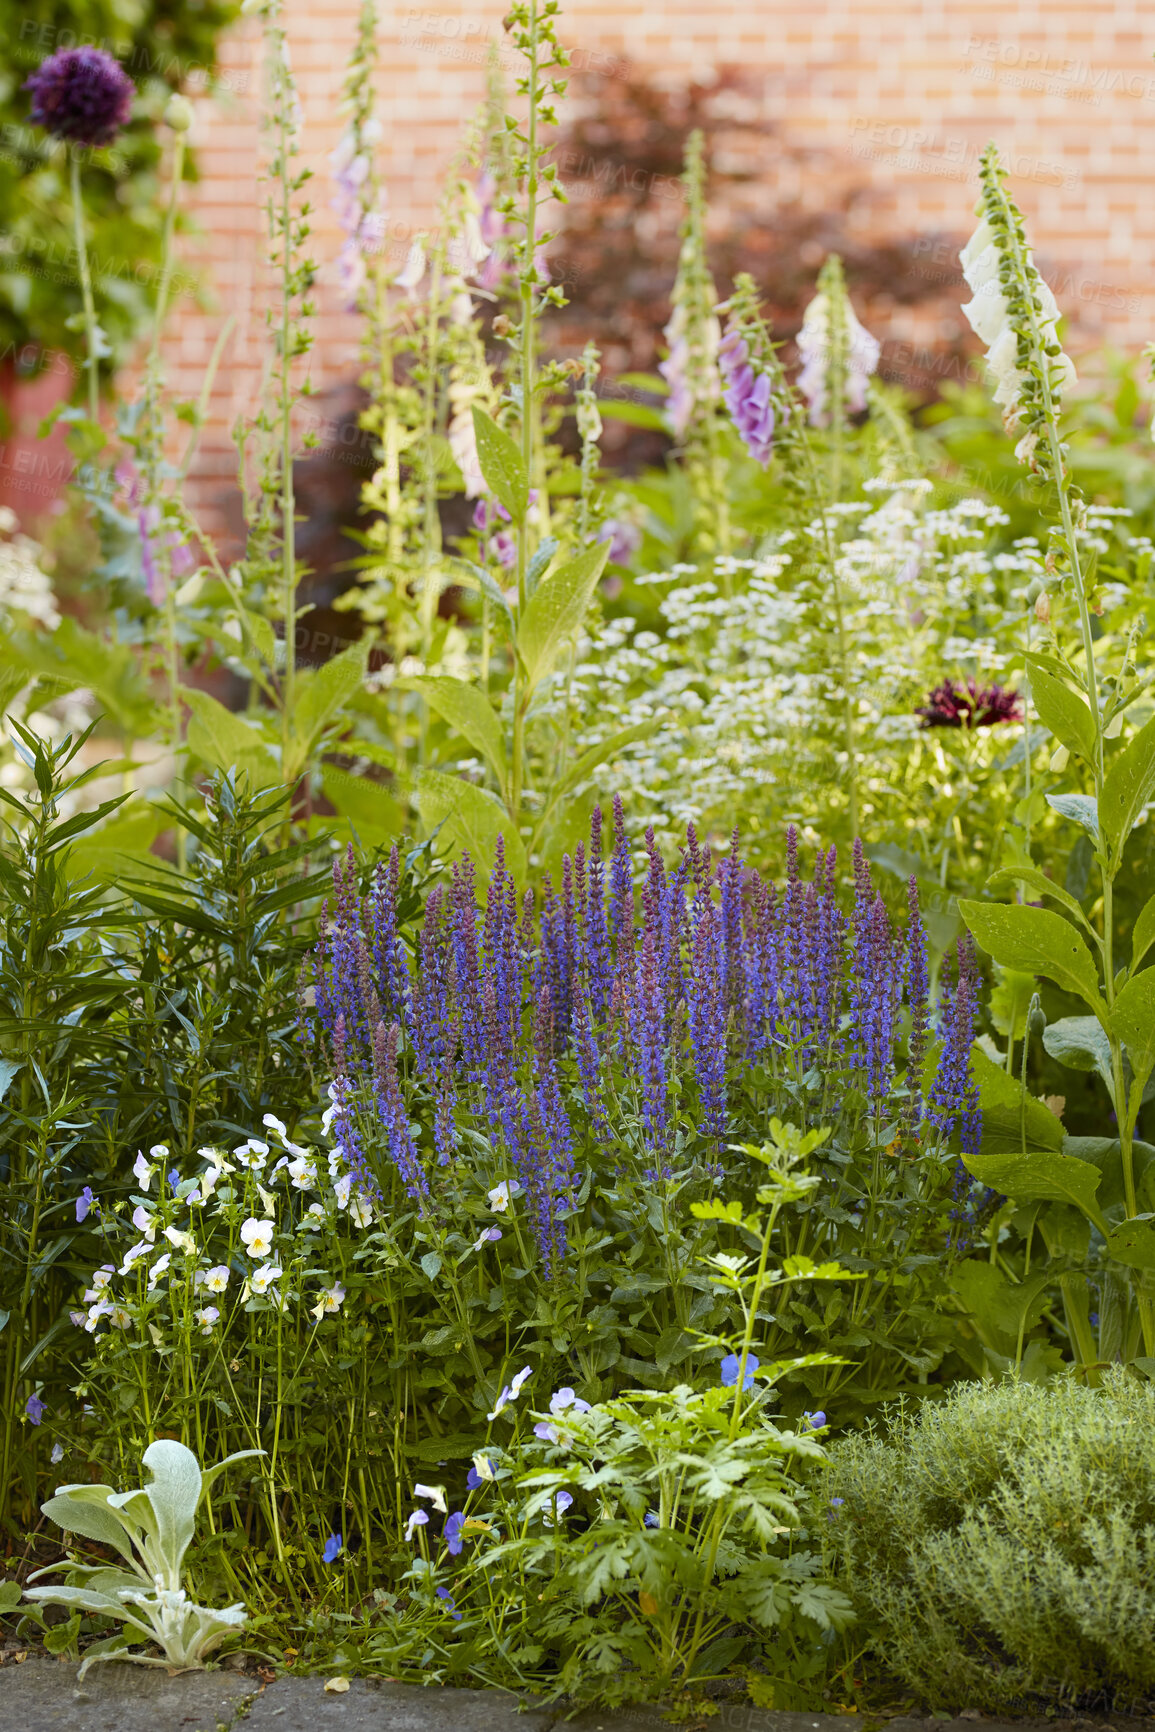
(25, 587)
(245, 1217)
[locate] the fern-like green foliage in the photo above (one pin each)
(999, 1546)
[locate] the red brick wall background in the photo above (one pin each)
(894, 99)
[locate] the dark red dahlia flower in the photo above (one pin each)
(957, 706)
(81, 94)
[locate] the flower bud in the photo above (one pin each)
(178, 113)
(1060, 758)
(1043, 608)
(501, 326)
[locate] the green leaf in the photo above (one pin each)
(1080, 808)
(174, 1495)
(9, 1596)
(1036, 880)
(490, 589)
(556, 610)
(1036, 941)
(222, 739)
(1129, 785)
(1037, 1177)
(321, 694)
(83, 1509)
(468, 710)
(431, 1264)
(1009, 1113)
(1080, 1043)
(999, 1306)
(123, 842)
(1143, 934)
(1133, 1020)
(471, 818)
(211, 1474)
(501, 465)
(585, 766)
(1063, 711)
(1133, 1243)
(368, 806)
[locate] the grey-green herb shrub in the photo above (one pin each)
(1000, 1546)
(151, 1529)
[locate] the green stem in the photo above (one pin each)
(90, 326)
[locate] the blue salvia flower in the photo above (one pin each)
(621, 897)
(392, 1113)
(466, 976)
(389, 959)
(500, 950)
(598, 965)
(918, 997)
(585, 1049)
(760, 959)
(706, 1005)
(344, 1117)
(435, 1023)
(649, 1041)
(730, 888)
(953, 1097)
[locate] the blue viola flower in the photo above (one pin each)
(652, 1519)
(813, 1421)
(333, 1548)
(730, 1366)
(84, 1203)
(450, 1604)
(34, 1408)
(453, 1529)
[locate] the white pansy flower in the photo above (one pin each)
(145, 1222)
(158, 1269)
(342, 1189)
(303, 1174)
(483, 1467)
(257, 1237)
(262, 1279)
(144, 1171)
(140, 1249)
(314, 1217)
(361, 1210)
(417, 1520)
(330, 1300)
(252, 1154)
(205, 1318)
(501, 1195)
(272, 1123)
(182, 1241)
(120, 1318)
(214, 1280)
(435, 1494)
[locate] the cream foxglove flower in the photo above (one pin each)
(1015, 314)
(838, 354)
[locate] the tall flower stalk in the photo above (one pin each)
(1015, 314)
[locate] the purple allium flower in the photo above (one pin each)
(747, 395)
(81, 94)
(84, 1203)
(452, 1535)
(730, 1367)
(332, 1548)
(35, 1409)
(951, 705)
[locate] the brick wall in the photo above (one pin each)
(891, 99)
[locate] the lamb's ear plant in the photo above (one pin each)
(1014, 312)
(151, 1529)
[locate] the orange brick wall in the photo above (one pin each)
(894, 97)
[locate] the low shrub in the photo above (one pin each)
(999, 1544)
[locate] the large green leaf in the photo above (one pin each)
(1038, 1177)
(585, 766)
(1063, 711)
(1036, 941)
(222, 739)
(1133, 1243)
(368, 806)
(1080, 1043)
(1143, 934)
(556, 610)
(1009, 1113)
(1036, 880)
(1133, 1019)
(469, 711)
(1000, 1307)
(83, 1510)
(321, 695)
(124, 842)
(1129, 785)
(174, 1495)
(471, 819)
(501, 465)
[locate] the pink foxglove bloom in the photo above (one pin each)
(747, 395)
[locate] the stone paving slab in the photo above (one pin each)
(303, 1704)
(44, 1696)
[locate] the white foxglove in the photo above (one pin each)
(838, 353)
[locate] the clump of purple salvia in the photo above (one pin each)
(82, 95)
(954, 1102)
(391, 1111)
